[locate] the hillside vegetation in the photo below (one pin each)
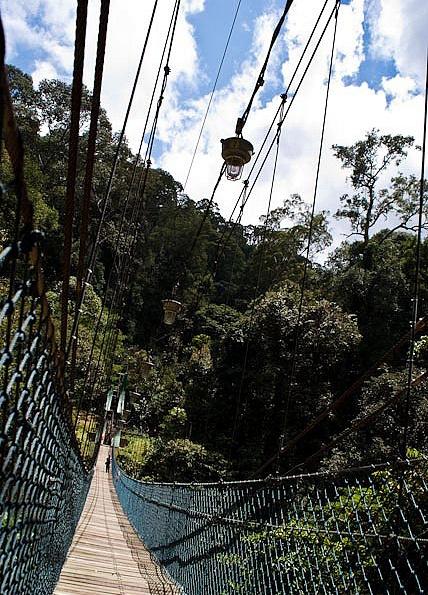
(218, 402)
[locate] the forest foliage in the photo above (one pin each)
(218, 402)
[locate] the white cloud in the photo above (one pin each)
(355, 108)
(43, 70)
(123, 53)
(399, 87)
(399, 30)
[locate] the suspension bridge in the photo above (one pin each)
(68, 526)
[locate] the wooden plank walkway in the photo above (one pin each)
(107, 556)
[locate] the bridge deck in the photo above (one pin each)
(106, 555)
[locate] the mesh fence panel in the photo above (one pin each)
(43, 482)
(363, 531)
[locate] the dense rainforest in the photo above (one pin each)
(236, 378)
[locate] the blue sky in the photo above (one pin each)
(211, 30)
(378, 74)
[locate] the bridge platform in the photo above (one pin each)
(107, 556)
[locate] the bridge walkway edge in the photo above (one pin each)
(106, 556)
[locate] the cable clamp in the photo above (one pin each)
(239, 126)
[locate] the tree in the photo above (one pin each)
(243, 407)
(280, 250)
(25, 100)
(368, 161)
(375, 282)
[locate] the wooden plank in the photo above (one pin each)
(107, 556)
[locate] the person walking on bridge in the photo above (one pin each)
(107, 463)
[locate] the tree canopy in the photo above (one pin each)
(219, 400)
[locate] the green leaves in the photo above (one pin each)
(183, 460)
(368, 161)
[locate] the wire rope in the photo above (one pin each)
(305, 71)
(415, 302)
(106, 198)
(360, 423)
(261, 78)
(253, 303)
(339, 402)
(124, 210)
(228, 230)
(244, 195)
(212, 93)
(283, 100)
(90, 163)
(416, 326)
(306, 263)
(140, 193)
(73, 146)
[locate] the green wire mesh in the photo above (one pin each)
(361, 531)
(43, 483)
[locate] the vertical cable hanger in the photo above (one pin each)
(291, 380)
(306, 264)
(212, 94)
(416, 283)
(246, 192)
(284, 97)
(106, 198)
(259, 272)
(89, 168)
(135, 217)
(244, 195)
(76, 99)
(261, 78)
(131, 216)
(237, 151)
(95, 245)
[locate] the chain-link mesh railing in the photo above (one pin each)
(360, 531)
(43, 481)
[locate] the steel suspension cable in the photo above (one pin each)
(212, 93)
(284, 96)
(110, 335)
(360, 423)
(76, 99)
(306, 263)
(280, 107)
(106, 198)
(283, 100)
(259, 272)
(416, 326)
(357, 384)
(141, 191)
(261, 78)
(415, 302)
(306, 69)
(244, 195)
(90, 162)
(124, 211)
